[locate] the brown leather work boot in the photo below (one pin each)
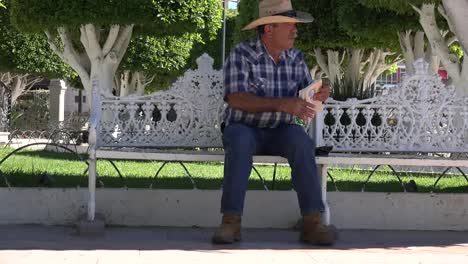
(314, 232)
(229, 231)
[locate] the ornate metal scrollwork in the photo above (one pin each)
(421, 114)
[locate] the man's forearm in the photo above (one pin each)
(251, 103)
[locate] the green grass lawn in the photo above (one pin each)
(24, 169)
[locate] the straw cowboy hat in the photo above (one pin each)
(278, 11)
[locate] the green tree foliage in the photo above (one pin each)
(378, 26)
(172, 56)
(214, 46)
(386, 17)
(168, 57)
(28, 53)
(163, 57)
(248, 11)
(399, 6)
(457, 50)
(156, 17)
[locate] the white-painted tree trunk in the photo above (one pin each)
(7, 79)
(18, 87)
(432, 59)
(96, 67)
(457, 71)
(376, 64)
(334, 66)
(457, 14)
(330, 64)
(359, 75)
(98, 64)
(321, 61)
(131, 83)
(457, 17)
(18, 84)
(353, 70)
(413, 48)
(316, 73)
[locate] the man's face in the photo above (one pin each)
(283, 35)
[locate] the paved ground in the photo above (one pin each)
(50, 245)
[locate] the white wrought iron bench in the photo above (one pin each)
(183, 124)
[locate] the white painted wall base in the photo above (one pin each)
(4, 137)
(274, 209)
(18, 143)
(21, 142)
(80, 149)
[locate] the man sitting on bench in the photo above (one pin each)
(262, 79)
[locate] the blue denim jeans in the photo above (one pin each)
(241, 142)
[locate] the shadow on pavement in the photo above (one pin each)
(34, 237)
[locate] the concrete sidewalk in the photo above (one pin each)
(40, 244)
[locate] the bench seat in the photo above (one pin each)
(332, 158)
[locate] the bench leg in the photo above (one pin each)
(92, 186)
(322, 172)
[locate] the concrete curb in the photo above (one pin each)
(272, 209)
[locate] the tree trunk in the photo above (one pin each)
(353, 71)
(458, 19)
(19, 84)
(16, 89)
(457, 13)
(98, 64)
(132, 83)
(376, 65)
(316, 73)
(123, 85)
(413, 48)
(354, 81)
(432, 59)
(439, 45)
(373, 62)
(321, 61)
(141, 82)
(102, 76)
(330, 65)
(334, 66)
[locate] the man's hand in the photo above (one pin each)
(324, 92)
(297, 107)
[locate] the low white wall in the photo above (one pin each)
(277, 209)
(4, 137)
(41, 206)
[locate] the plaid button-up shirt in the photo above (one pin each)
(250, 68)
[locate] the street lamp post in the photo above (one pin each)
(223, 49)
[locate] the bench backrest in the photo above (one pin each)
(187, 115)
(422, 114)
